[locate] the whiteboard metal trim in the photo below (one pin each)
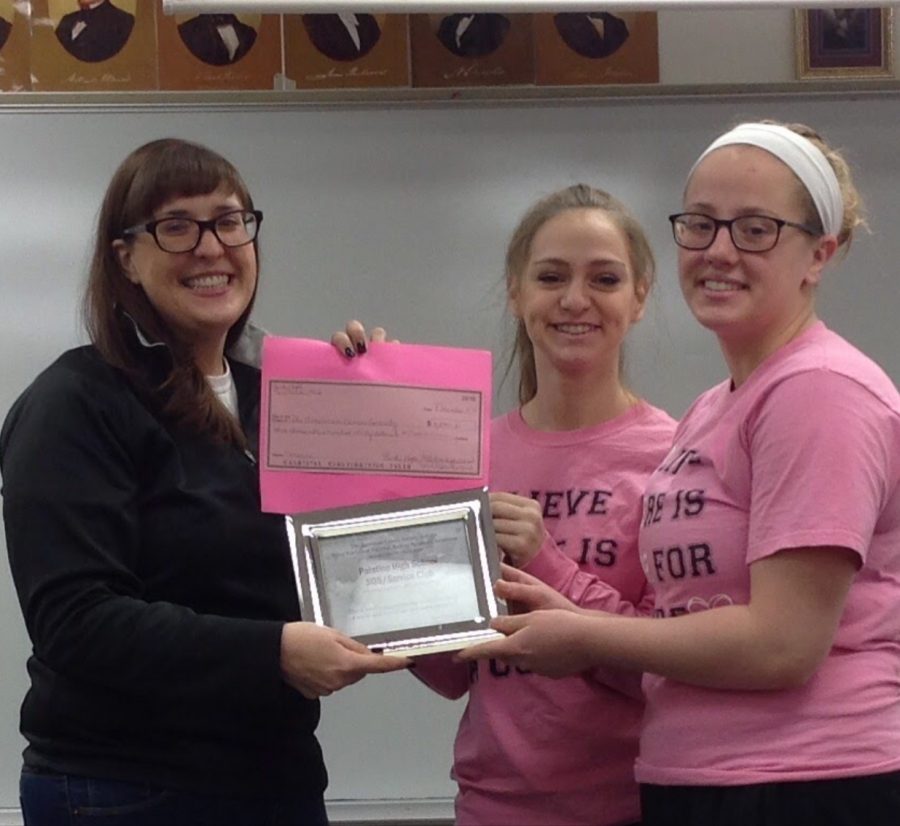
(488, 96)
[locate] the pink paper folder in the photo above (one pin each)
(401, 420)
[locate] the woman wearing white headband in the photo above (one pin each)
(770, 533)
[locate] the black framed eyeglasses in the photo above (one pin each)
(232, 229)
(749, 233)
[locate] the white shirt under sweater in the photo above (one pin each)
(226, 392)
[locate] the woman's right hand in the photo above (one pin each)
(550, 643)
(518, 526)
(318, 661)
(353, 341)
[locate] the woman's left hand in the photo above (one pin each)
(353, 341)
(523, 592)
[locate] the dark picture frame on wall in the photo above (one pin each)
(844, 43)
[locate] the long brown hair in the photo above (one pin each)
(518, 251)
(149, 177)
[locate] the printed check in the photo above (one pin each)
(327, 427)
(400, 421)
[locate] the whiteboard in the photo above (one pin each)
(399, 216)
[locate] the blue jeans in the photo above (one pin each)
(50, 799)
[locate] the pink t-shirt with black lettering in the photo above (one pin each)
(805, 453)
(533, 751)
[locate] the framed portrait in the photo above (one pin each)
(450, 50)
(596, 48)
(104, 46)
(349, 51)
(844, 43)
(15, 43)
(219, 51)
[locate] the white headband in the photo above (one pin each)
(804, 159)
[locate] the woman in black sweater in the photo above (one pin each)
(172, 682)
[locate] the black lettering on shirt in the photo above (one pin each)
(500, 669)
(686, 456)
(676, 611)
(700, 553)
(555, 504)
(653, 506)
(689, 503)
(551, 504)
(601, 552)
(598, 502)
(676, 562)
(573, 506)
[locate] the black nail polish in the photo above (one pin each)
(361, 347)
(348, 352)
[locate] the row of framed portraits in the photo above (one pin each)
(130, 45)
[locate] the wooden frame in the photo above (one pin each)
(844, 43)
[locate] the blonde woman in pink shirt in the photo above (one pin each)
(567, 470)
(771, 531)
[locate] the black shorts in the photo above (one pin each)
(872, 800)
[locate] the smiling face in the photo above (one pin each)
(577, 295)
(198, 294)
(750, 297)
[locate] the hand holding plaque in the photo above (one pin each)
(317, 661)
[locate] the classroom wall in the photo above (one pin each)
(399, 216)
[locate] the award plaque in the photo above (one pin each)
(406, 577)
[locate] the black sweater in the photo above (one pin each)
(154, 591)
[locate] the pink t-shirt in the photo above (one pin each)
(806, 453)
(530, 750)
